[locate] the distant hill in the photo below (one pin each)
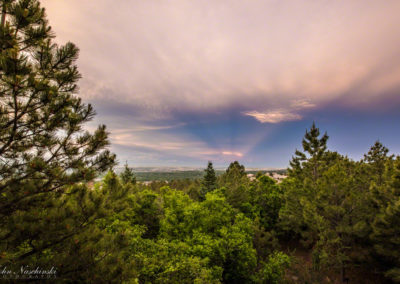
(185, 169)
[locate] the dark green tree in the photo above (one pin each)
(314, 149)
(376, 159)
(146, 212)
(42, 144)
(44, 149)
(128, 176)
(98, 220)
(235, 174)
(209, 181)
(237, 168)
(301, 185)
(386, 223)
(235, 182)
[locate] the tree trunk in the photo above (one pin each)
(3, 14)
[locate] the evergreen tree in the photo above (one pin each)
(376, 160)
(235, 182)
(314, 150)
(386, 224)
(98, 250)
(301, 184)
(234, 175)
(209, 180)
(237, 168)
(128, 176)
(343, 209)
(43, 147)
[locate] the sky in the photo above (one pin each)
(179, 83)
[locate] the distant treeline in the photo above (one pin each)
(178, 175)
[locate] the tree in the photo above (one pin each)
(128, 176)
(314, 149)
(209, 180)
(44, 149)
(237, 168)
(345, 211)
(212, 231)
(146, 212)
(385, 226)
(235, 182)
(301, 185)
(105, 239)
(376, 160)
(332, 215)
(266, 200)
(274, 270)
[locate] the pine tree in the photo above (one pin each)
(386, 224)
(44, 149)
(305, 169)
(237, 168)
(209, 181)
(127, 176)
(314, 150)
(376, 159)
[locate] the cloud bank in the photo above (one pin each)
(201, 56)
(151, 66)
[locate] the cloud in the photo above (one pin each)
(280, 115)
(273, 116)
(230, 153)
(200, 56)
(171, 78)
(140, 128)
(302, 104)
(169, 145)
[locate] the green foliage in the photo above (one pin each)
(385, 226)
(146, 211)
(235, 182)
(376, 160)
(127, 176)
(46, 214)
(309, 162)
(273, 270)
(236, 169)
(164, 261)
(266, 199)
(345, 211)
(204, 242)
(209, 181)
